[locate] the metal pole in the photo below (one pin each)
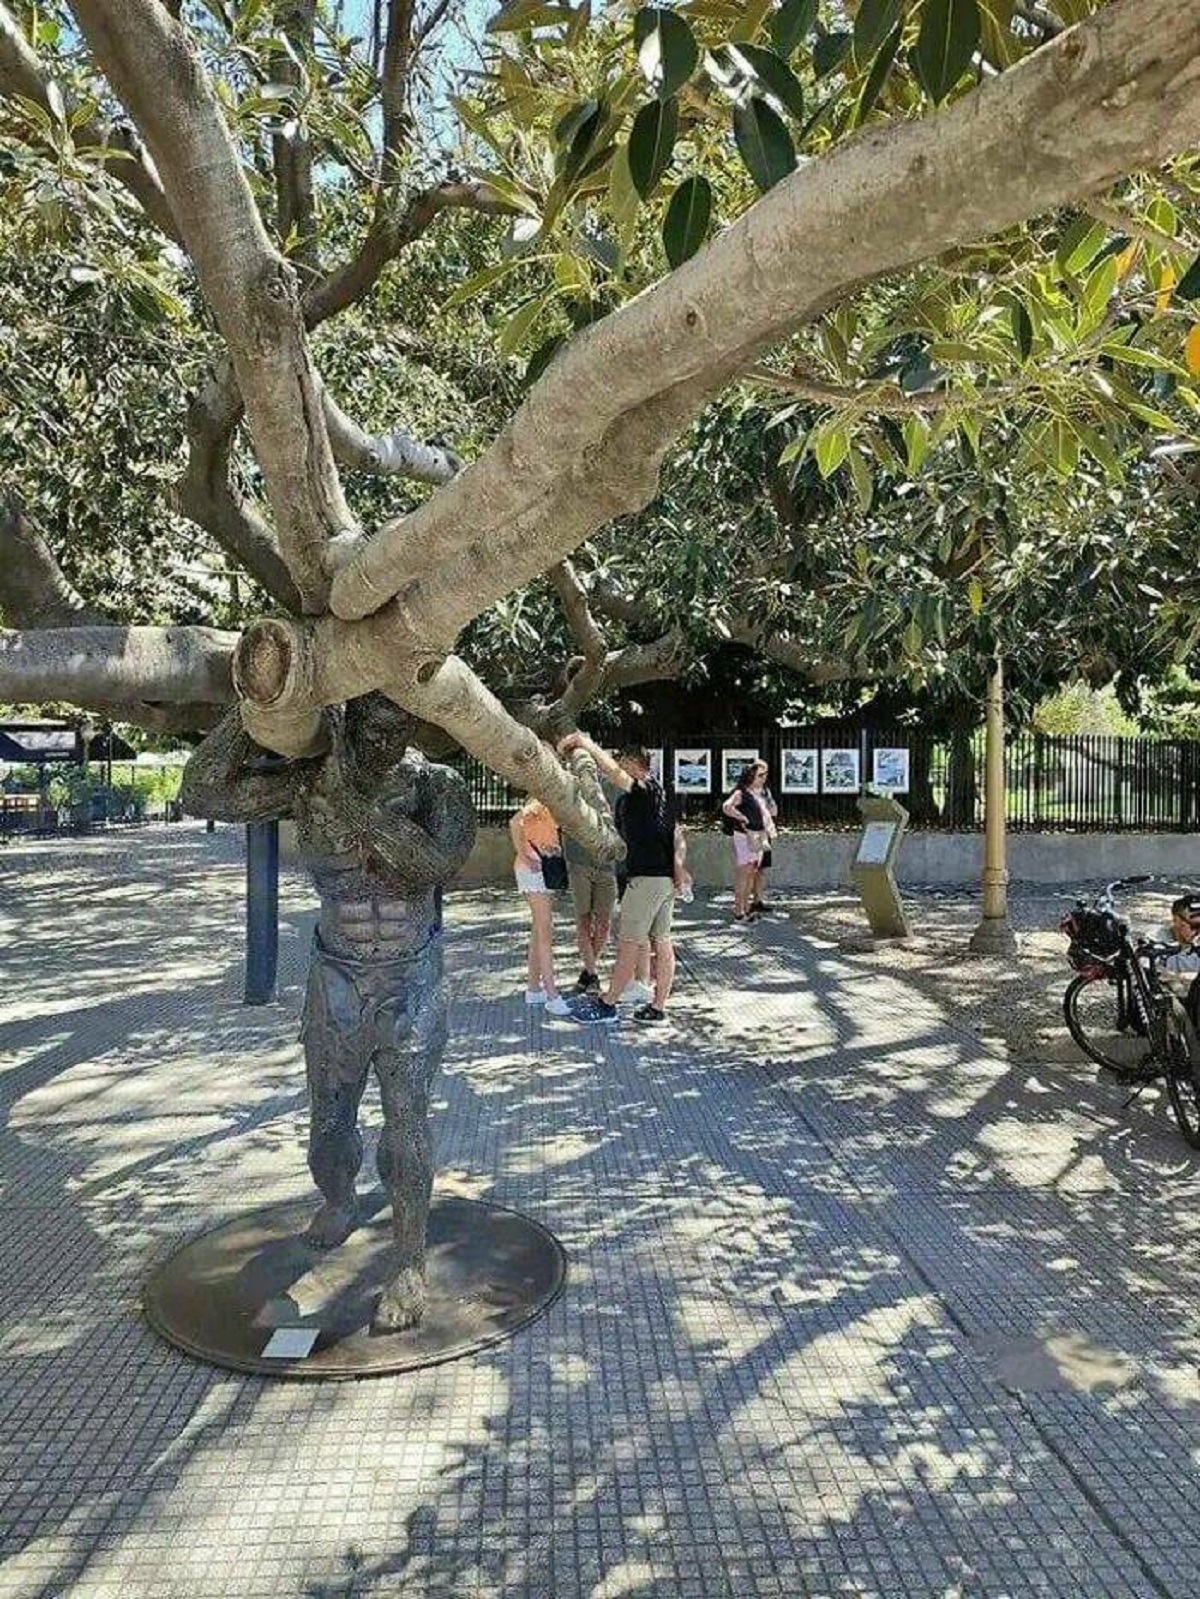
(262, 911)
(994, 935)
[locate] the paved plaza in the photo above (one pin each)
(854, 1307)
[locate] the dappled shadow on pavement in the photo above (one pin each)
(806, 1225)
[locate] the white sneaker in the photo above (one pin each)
(534, 996)
(557, 1006)
(637, 993)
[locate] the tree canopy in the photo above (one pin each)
(270, 243)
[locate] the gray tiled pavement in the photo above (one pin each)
(808, 1228)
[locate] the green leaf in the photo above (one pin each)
(1189, 283)
(520, 324)
(651, 142)
(686, 222)
(830, 50)
(518, 15)
(577, 133)
(763, 142)
(864, 483)
(913, 638)
(831, 445)
(916, 442)
(948, 39)
(975, 595)
(666, 48)
(1022, 328)
(876, 19)
(876, 79)
(1134, 355)
(1079, 245)
(478, 282)
(772, 73)
(541, 358)
(790, 23)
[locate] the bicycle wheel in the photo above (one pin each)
(1097, 1010)
(1183, 1072)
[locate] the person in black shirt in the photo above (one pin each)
(655, 850)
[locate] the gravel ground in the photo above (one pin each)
(1014, 1006)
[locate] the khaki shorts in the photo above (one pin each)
(647, 908)
(594, 891)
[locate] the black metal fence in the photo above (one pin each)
(1078, 783)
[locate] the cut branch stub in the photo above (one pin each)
(273, 675)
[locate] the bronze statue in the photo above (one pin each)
(381, 830)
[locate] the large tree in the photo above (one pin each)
(215, 137)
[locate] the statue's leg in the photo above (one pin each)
(337, 1075)
(406, 1071)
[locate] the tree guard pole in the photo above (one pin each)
(994, 935)
(262, 911)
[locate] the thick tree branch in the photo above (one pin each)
(206, 494)
(662, 658)
(154, 66)
(394, 454)
(609, 601)
(291, 153)
(796, 656)
(572, 596)
(455, 699)
(393, 86)
(117, 665)
(23, 74)
(33, 591)
(1114, 94)
(387, 236)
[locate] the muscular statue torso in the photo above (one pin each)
(368, 911)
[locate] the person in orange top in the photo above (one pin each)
(534, 830)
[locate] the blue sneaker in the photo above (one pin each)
(595, 1010)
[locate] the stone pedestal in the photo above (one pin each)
(254, 1296)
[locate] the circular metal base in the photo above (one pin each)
(254, 1296)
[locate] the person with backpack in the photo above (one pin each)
(655, 851)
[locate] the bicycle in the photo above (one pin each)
(1121, 1013)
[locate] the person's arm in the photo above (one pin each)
(733, 809)
(516, 828)
(681, 875)
(609, 768)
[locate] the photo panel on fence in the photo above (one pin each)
(841, 771)
(889, 771)
(733, 763)
(799, 771)
(693, 771)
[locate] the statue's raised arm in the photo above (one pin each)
(230, 778)
(422, 823)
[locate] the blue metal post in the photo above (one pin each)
(262, 911)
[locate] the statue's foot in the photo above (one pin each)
(402, 1304)
(331, 1226)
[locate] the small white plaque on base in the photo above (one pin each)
(291, 1343)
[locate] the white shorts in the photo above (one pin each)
(744, 853)
(530, 882)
